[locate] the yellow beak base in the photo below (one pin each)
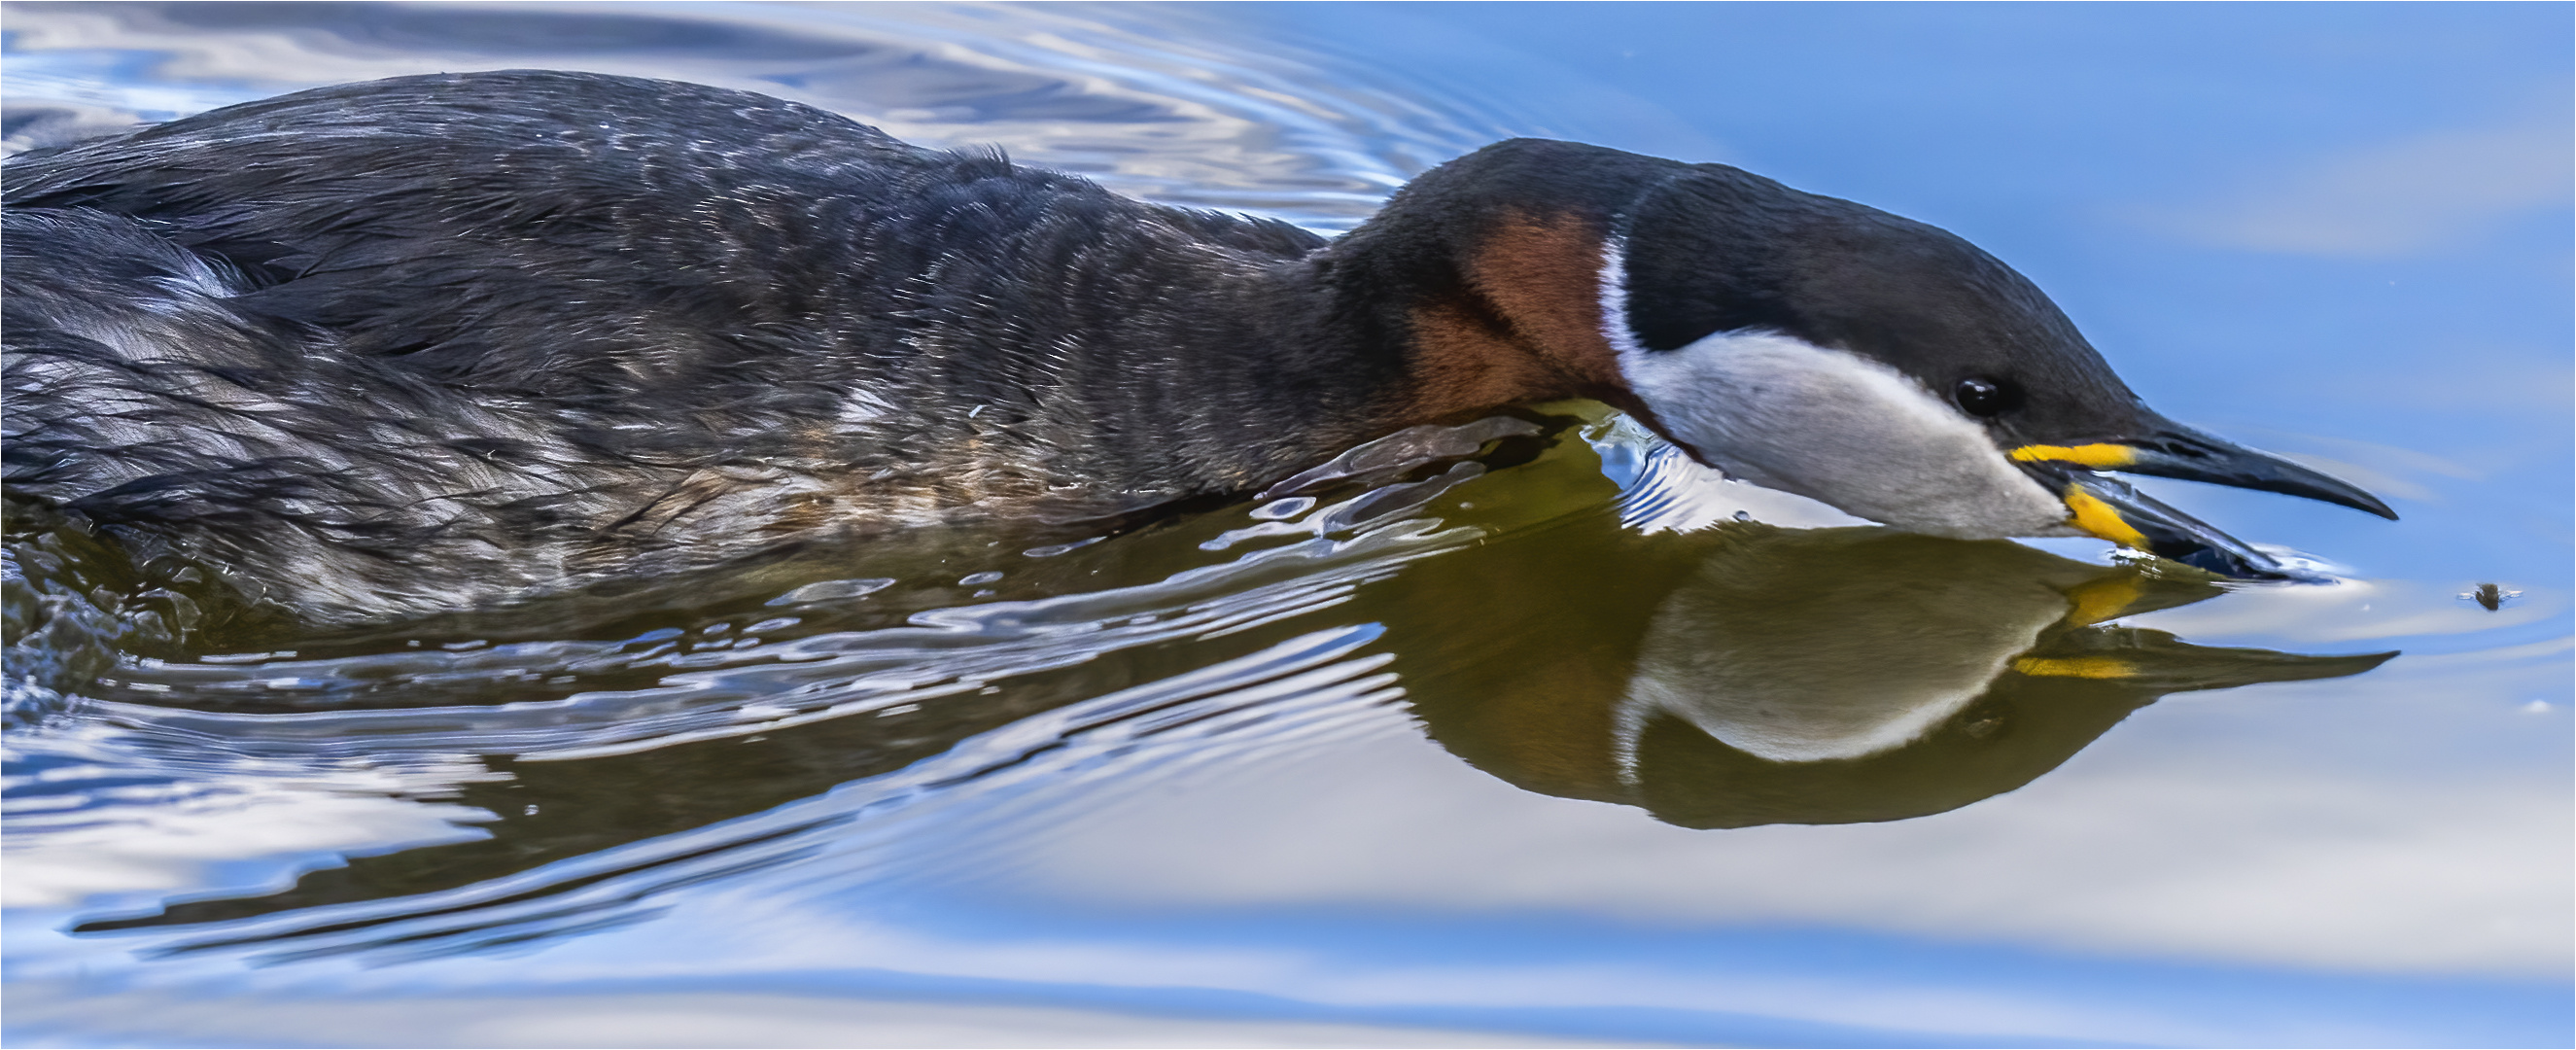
(2102, 519)
(2097, 457)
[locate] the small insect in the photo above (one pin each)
(2492, 596)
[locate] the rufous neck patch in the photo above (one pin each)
(1543, 273)
(1529, 327)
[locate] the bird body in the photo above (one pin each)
(445, 342)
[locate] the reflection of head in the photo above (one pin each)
(2021, 726)
(1846, 675)
(1793, 657)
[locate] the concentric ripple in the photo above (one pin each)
(1101, 90)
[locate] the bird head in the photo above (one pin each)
(1899, 373)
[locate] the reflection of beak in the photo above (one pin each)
(2118, 513)
(2156, 660)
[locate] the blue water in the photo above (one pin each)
(1173, 789)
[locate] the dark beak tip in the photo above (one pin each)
(2362, 501)
(2214, 460)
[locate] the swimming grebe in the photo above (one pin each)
(439, 342)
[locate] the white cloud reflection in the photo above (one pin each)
(70, 840)
(2395, 198)
(2378, 612)
(663, 1018)
(2216, 861)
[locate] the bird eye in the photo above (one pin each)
(1984, 397)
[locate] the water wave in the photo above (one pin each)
(1306, 691)
(1204, 118)
(367, 752)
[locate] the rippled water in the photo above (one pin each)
(1520, 733)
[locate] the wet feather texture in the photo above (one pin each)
(606, 347)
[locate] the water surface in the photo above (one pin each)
(1521, 735)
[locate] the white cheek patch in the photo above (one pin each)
(1833, 426)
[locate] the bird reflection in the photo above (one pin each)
(1738, 676)
(1813, 677)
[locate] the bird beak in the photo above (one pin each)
(2177, 451)
(2114, 511)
